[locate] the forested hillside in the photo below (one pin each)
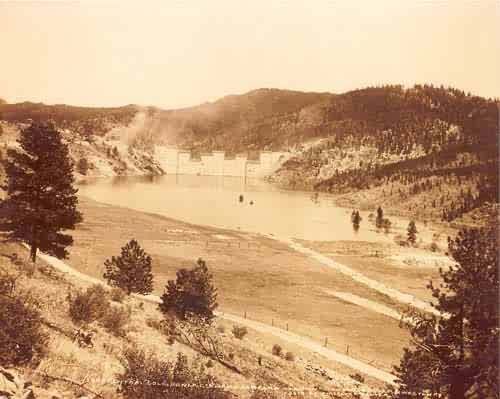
(82, 120)
(101, 140)
(430, 151)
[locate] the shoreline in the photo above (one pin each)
(259, 276)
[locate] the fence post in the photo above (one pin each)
(245, 314)
(272, 322)
(287, 326)
(326, 342)
(347, 350)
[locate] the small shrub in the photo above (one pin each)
(209, 364)
(7, 283)
(145, 376)
(230, 356)
(115, 320)
(88, 306)
(434, 247)
(277, 350)
(239, 332)
(117, 295)
(21, 337)
(290, 356)
(83, 166)
(357, 377)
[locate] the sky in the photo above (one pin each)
(179, 53)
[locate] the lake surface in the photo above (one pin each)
(214, 201)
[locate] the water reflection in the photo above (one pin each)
(232, 202)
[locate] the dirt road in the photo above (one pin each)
(298, 340)
(361, 278)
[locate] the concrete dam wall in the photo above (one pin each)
(215, 163)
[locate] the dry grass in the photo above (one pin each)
(96, 367)
(269, 281)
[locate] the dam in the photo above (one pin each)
(216, 163)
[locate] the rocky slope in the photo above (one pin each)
(95, 155)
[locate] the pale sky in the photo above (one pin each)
(180, 53)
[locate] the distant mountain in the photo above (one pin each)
(410, 141)
(259, 119)
(82, 120)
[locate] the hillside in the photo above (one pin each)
(101, 140)
(426, 152)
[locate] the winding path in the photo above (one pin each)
(290, 337)
(361, 278)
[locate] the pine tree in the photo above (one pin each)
(412, 232)
(356, 220)
(380, 218)
(131, 271)
(456, 355)
(41, 200)
(192, 294)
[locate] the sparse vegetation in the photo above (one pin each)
(89, 305)
(116, 294)
(289, 356)
(145, 376)
(115, 320)
(22, 339)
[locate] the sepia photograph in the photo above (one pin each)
(266, 199)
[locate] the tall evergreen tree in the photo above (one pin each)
(131, 271)
(41, 200)
(412, 232)
(192, 294)
(456, 356)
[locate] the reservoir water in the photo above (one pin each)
(215, 201)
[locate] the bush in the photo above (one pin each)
(87, 306)
(239, 332)
(277, 350)
(83, 166)
(290, 356)
(21, 337)
(7, 283)
(115, 320)
(117, 294)
(357, 377)
(434, 247)
(145, 376)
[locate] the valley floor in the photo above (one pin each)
(266, 280)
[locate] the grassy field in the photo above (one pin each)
(96, 367)
(254, 275)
